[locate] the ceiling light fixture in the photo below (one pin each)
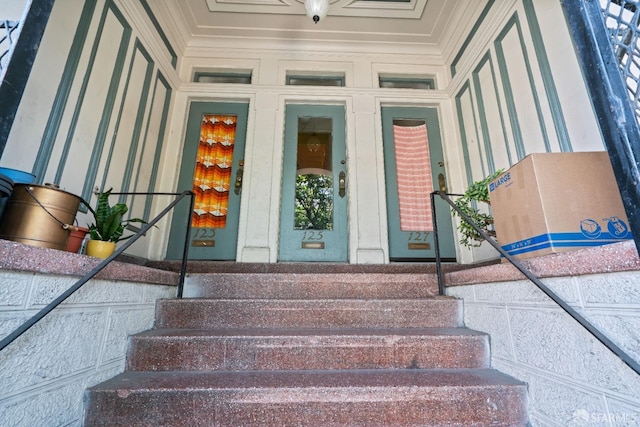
(316, 9)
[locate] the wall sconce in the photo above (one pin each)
(316, 9)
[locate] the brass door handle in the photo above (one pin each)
(442, 183)
(342, 183)
(239, 173)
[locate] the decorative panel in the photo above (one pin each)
(126, 134)
(472, 149)
(491, 117)
(85, 124)
(525, 110)
(151, 150)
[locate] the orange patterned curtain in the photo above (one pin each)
(415, 185)
(212, 176)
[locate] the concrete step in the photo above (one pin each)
(309, 347)
(310, 285)
(393, 397)
(197, 313)
(215, 267)
(295, 349)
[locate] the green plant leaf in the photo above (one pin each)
(478, 192)
(109, 224)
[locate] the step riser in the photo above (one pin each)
(310, 286)
(318, 407)
(199, 314)
(282, 353)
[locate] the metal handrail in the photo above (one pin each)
(623, 355)
(143, 230)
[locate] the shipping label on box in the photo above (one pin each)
(557, 202)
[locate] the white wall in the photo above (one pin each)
(12, 10)
(268, 95)
(573, 379)
(113, 137)
(83, 342)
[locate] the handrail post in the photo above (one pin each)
(436, 244)
(185, 250)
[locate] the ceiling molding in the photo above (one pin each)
(415, 27)
(354, 8)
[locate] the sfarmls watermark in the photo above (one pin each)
(624, 418)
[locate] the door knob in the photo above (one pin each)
(239, 173)
(342, 183)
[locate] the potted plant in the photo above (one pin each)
(478, 192)
(108, 226)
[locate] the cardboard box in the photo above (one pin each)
(557, 202)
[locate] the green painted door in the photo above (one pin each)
(414, 167)
(212, 167)
(313, 218)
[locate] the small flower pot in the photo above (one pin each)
(76, 236)
(100, 249)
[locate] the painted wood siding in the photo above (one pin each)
(508, 103)
(95, 110)
(518, 90)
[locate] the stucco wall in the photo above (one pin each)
(45, 371)
(573, 380)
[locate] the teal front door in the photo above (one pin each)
(212, 167)
(414, 168)
(313, 218)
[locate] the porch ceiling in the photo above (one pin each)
(428, 26)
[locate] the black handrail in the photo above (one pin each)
(143, 230)
(624, 356)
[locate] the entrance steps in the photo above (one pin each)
(309, 349)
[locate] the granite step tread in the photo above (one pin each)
(323, 313)
(310, 285)
(286, 398)
(311, 379)
(299, 349)
(441, 332)
(215, 267)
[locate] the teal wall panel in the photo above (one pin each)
(172, 54)
(471, 35)
(491, 117)
(132, 99)
(509, 101)
(507, 60)
(62, 95)
(104, 104)
(547, 78)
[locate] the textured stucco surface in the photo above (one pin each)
(82, 342)
(573, 379)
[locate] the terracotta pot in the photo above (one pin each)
(100, 249)
(76, 236)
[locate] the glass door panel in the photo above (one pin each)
(314, 208)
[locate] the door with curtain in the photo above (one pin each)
(414, 168)
(212, 167)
